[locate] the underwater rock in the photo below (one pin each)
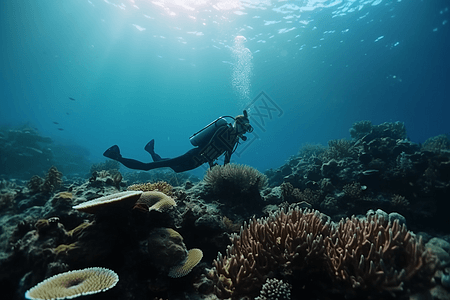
(169, 254)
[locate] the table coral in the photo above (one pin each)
(105, 204)
(74, 284)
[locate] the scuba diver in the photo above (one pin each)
(217, 138)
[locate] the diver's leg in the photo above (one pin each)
(114, 153)
(137, 165)
(188, 161)
(150, 148)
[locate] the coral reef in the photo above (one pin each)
(370, 172)
(24, 152)
(288, 249)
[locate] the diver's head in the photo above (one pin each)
(242, 124)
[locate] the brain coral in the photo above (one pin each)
(73, 284)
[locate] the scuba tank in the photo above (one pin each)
(206, 133)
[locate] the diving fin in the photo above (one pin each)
(113, 152)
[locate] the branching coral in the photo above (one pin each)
(35, 183)
(51, 182)
(360, 257)
(399, 201)
(338, 149)
(373, 255)
(282, 242)
(353, 190)
(234, 179)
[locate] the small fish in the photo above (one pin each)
(67, 113)
(55, 123)
(71, 98)
(60, 128)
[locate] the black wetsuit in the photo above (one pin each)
(223, 141)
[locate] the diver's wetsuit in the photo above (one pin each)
(223, 141)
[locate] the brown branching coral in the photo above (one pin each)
(282, 242)
(51, 182)
(399, 201)
(234, 179)
(35, 183)
(353, 190)
(375, 256)
(357, 257)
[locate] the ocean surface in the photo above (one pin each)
(93, 73)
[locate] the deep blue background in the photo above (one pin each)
(325, 68)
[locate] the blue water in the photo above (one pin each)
(164, 69)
